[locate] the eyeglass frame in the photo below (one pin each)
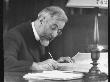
(59, 31)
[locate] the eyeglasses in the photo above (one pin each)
(55, 27)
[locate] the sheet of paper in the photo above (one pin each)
(53, 75)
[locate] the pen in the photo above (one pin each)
(50, 55)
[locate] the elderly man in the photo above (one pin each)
(22, 51)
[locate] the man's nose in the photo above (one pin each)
(55, 34)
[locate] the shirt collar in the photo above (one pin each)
(35, 32)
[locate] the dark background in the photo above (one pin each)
(77, 33)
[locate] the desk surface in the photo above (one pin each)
(18, 77)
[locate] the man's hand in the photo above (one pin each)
(65, 60)
(48, 64)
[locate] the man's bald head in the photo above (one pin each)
(54, 11)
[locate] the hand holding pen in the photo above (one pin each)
(50, 55)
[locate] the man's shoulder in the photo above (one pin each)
(18, 28)
(21, 27)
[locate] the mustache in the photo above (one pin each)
(47, 37)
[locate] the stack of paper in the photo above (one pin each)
(53, 75)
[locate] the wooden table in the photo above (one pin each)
(18, 77)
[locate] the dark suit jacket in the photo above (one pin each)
(21, 49)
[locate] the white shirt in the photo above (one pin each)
(43, 42)
(35, 32)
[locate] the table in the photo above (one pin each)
(18, 77)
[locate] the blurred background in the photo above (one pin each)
(77, 33)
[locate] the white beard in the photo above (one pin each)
(44, 42)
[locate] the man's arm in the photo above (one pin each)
(12, 45)
(11, 49)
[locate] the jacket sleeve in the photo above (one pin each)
(11, 45)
